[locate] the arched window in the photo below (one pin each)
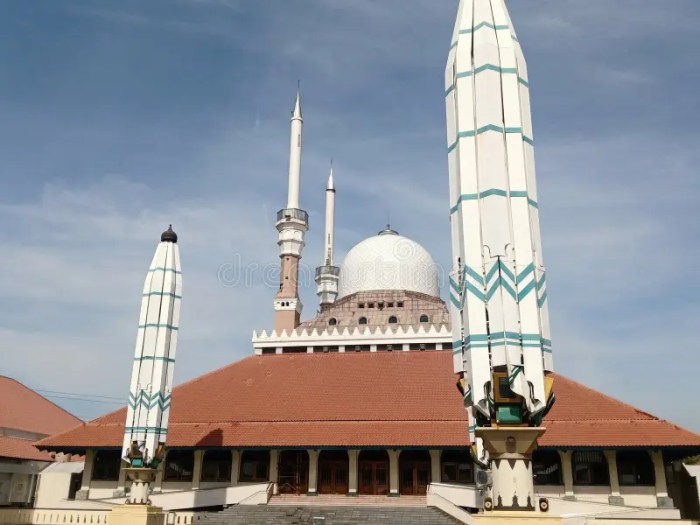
(332, 321)
(590, 468)
(393, 320)
(424, 319)
(179, 465)
(362, 320)
(216, 466)
(634, 467)
(457, 467)
(106, 465)
(546, 467)
(255, 465)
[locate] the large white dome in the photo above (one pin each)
(388, 261)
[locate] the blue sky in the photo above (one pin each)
(122, 116)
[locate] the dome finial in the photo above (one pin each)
(388, 231)
(169, 235)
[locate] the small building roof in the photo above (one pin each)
(363, 399)
(16, 448)
(23, 409)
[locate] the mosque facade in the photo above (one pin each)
(362, 397)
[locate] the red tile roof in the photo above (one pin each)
(399, 399)
(16, 448)
(23, 409)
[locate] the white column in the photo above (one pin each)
(615, 498)
(197, 470)
(567, 474)
(313, 472)
(84, 491)
(394, 472)
(353, 456)
(121, 484)
(274, 459)
(158, 483)
(435, 470)
(662, 499)
(235, 466)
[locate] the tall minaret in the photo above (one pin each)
(497, 291)
(292, 224)
(327, 275)
(152, 374)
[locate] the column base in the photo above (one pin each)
(352, 494)
(510, 450)
(664, 502)
(82, 495)
(616, 500)
(498, 517)
(312, 493)
(569, 498)
(394, 494)
(136, 515)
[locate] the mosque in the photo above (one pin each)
(361, 399)
(394, 424)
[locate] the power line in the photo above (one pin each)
(86, 396)
(54, 396)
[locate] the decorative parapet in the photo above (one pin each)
(310, 338)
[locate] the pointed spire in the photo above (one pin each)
(330, 185)
(296, 113)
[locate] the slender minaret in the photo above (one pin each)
(154, 360)
(327, 275)
(497, 290)
(292, 224)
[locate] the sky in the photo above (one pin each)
(123, 116)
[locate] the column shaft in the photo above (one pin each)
(313, 472)
(435, 471)
(197, 470)
(567, 473)
(615, 498)
(662, 499)
(274, 459)
(235, 466)
(394, 472)
(353, 456)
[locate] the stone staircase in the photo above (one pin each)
(337, 500)
(366, 514)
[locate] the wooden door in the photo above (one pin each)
(374, 477)
(415, 478)
(333, 477)
(293, 472)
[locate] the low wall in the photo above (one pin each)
(100, 517)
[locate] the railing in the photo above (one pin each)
(464, 496)
(292, 213)
(183, 518)
(327, 270)
(446, 506)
